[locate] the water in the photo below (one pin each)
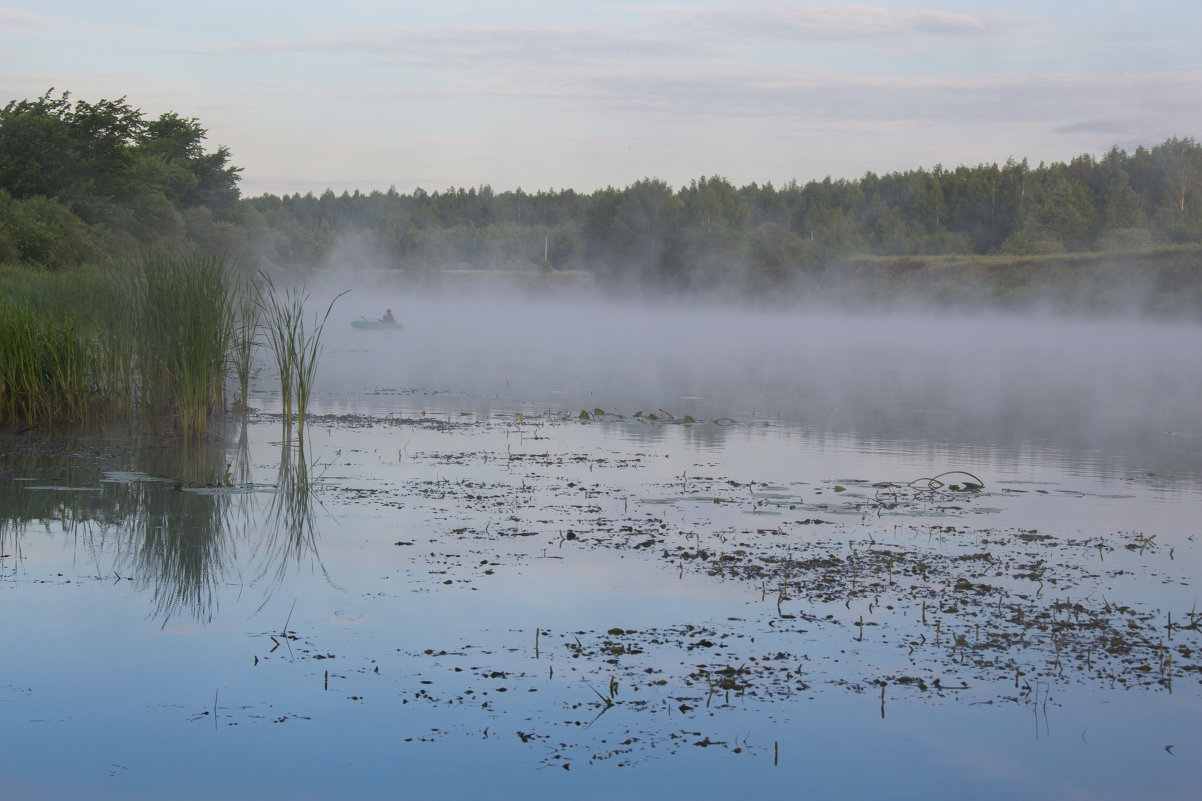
(487, 595)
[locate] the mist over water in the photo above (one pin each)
(438, 594)
(1121, 394)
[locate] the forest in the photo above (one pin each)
(86, 183)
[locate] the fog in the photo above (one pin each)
(1123, 388)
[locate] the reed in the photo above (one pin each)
(66, 323)
(182, 332)
(245, 327)
(296, 348)
(307, 354)
(48, 368)
(280, 312)
(158, 337)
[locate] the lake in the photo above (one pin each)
(558, 548)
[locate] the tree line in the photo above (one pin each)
(81, 181)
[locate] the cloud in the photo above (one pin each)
(761, 83)
(449, 47)
(792, 22)
(14, 21)
(654, 34)
(794, 94)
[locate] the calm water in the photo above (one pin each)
(484, 595)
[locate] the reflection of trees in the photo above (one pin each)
(171, 523)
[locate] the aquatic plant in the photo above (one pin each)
(83, 321)
(48, 368)
(296, 349)
(246, 325)
(280, 313)
(181, 335)
(156, 339)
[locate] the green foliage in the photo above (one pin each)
(42, 232)
(1031, 242)
(246, 326)
(78, 177)
(47, 368)
(182, 334)
(159, 336)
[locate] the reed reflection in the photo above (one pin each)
(180, 549)
(289, 536)
(175, 520)
(175, 537)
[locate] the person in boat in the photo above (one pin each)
(388, 318)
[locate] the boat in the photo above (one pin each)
(388, 325)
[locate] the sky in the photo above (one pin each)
(582, 95)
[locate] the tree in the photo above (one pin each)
(715, 227)
(714, 205)
(1063, 208)
(646, 227)
(35, 146)
(1115, 199)
(774, 254)
(111, 168)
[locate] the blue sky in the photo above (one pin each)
(548, 95)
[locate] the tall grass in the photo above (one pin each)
(48, 368)
(155, 339)
(280, 313)
(181, 336)
(245, 327)
(296, 348)
(158, 337)
(91, 302)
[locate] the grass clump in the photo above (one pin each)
(155, 339)
(245, 328)
(295, 347)
(182, 335)
(49, 369)
(154, 336)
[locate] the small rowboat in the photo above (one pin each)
(376, 324)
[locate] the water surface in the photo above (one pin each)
(728, 579)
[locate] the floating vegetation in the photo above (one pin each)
(941, 609)
(658, 417)
(888, 592)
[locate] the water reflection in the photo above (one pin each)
(177, 545)
(289, 536)
(166, 517)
